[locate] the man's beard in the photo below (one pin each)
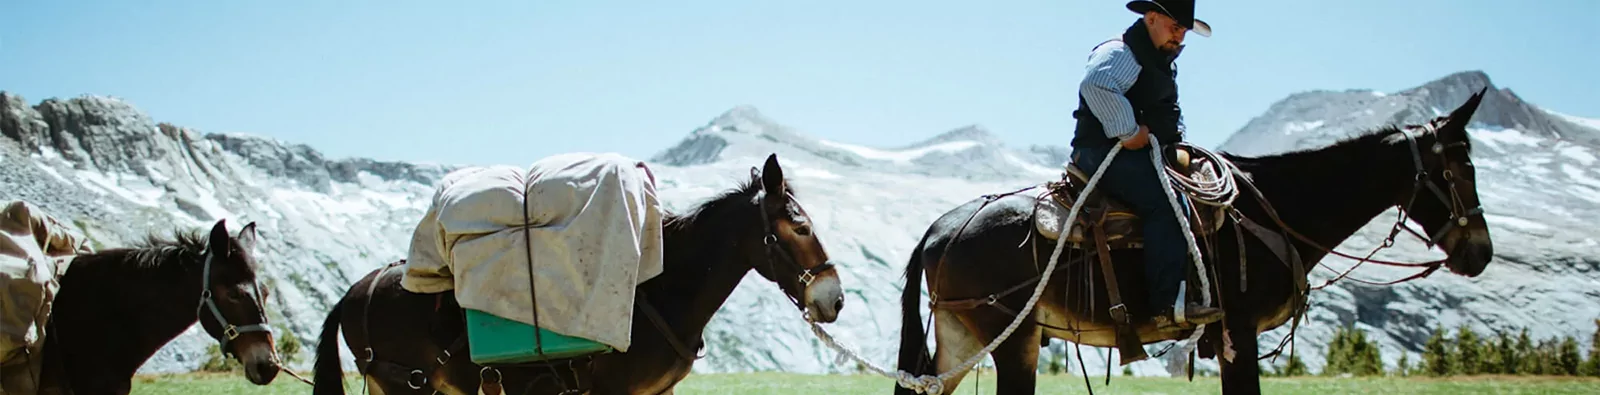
(1170, 47)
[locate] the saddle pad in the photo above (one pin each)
(595, 227)
(1050, 218)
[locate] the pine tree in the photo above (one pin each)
(1490, 362)
(1592, 367)
(1295, 367)
(1544, 356)
(1527, 355)
(1366, 357)
(1403, 368)
(1469, 352)
(1337, 361)
(216, 362)
(288, 347)
(1567, 358)
(1436, 358)
(1505, 354)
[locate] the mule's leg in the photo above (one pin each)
(956, 343)
(1016, 359)
(1240, 376)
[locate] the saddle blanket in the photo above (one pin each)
(35, 251)
(595, 229)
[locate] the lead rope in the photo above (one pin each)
(935, 384)
(1194, 250)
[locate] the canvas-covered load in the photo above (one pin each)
(595, 227)
(35, 251)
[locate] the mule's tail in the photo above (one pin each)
(914, 356)
(329, 375)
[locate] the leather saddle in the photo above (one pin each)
(1123, 228)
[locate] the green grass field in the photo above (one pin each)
(779, 383)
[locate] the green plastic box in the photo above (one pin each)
(493, 339)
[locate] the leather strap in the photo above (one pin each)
(666, 331)
(1128, 343)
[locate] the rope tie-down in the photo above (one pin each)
(935, 384)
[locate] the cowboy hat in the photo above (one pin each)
(1180, 10)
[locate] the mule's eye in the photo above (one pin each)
(803, 230)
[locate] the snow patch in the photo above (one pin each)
(1048, 172)
(111, 183)
(902, 156)
(1502, 220)
(1501, 138)
(816, 173)
(1586, 122)
(208, 202)
(391, 199)
(1297, 127)
(1577, 153)
(1579, 175)
(51, 171)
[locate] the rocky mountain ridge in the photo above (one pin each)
(108, 168)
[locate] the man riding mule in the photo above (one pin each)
(1129, 92)
(1001, 283)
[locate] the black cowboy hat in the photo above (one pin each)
(1180, 10)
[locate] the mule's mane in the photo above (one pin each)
(1348, 151)
(739, 197)
(155, 252)
(1348, 147)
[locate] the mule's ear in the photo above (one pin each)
(1461, 116)
(772, 176)
(218, 242)
(247, 237)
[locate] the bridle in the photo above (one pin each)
(1459, 214)
(770, 240)
(229, 331)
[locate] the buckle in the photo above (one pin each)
(415, 376)
(231, 332)
(1119, 313)
(806, 277)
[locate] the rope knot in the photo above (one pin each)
(921, 384)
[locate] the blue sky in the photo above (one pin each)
(507, 82)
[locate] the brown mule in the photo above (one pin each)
(418, 341)
(117, 307)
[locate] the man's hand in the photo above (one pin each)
(1137, 140)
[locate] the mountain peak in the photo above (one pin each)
(974, 133)
(743, 112)
(1472, 80)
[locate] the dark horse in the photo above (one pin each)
(117, 307)
(1322, 196)
(708, 251)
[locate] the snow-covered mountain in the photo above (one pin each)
(108, 168)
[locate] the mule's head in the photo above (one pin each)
(232, 308)
(789, 252)
(1445, 201)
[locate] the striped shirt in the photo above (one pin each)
(1111, 71)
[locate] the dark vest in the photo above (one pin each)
(1154, 95)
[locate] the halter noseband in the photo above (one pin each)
(229, 331)
(1458, 215)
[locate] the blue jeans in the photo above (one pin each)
(1132, 178)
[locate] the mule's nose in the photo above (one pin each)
(838, 305)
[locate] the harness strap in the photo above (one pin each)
(666, 331)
